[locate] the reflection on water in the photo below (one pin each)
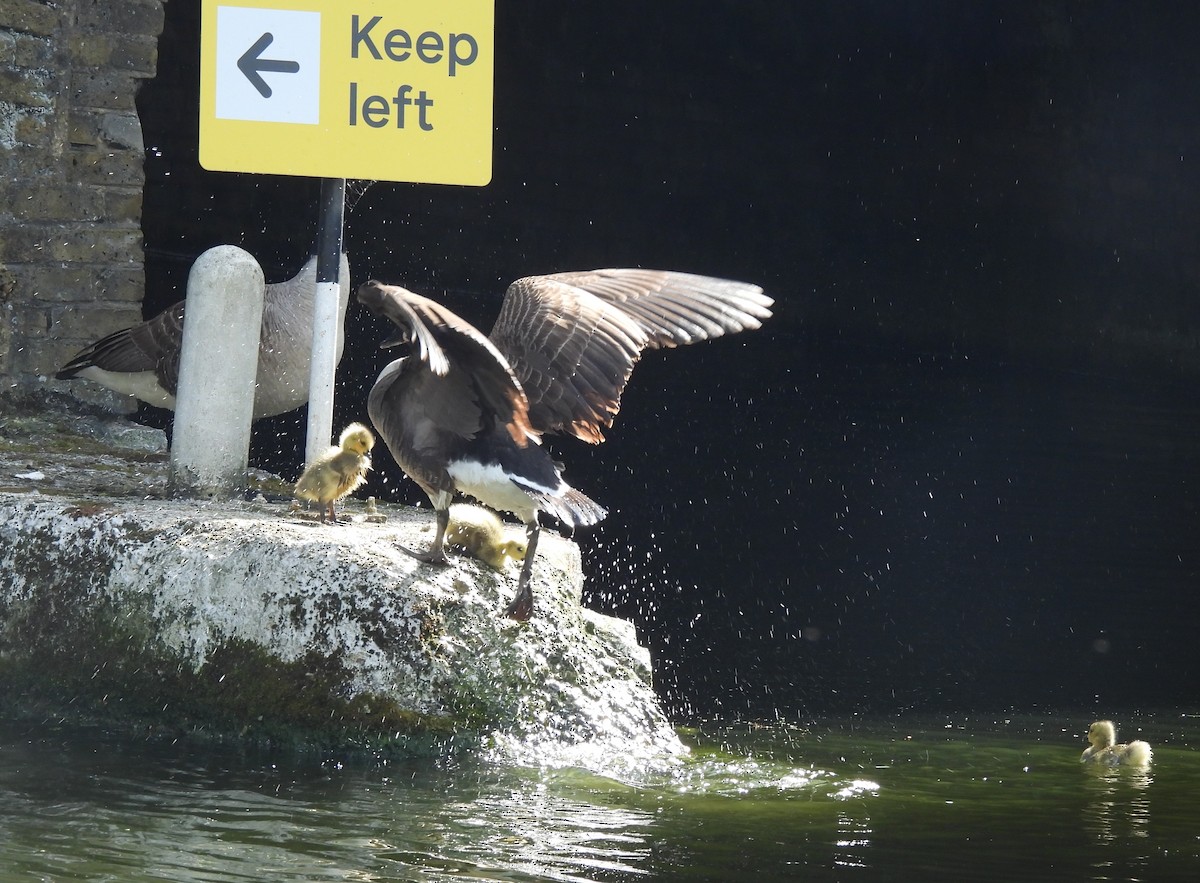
(1117, 815)
(535, 830)
(854, 839)
(895, 799)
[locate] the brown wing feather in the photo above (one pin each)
(151, 346)
(573, 338)
(677, 308)
(163, 336)
(447, 343)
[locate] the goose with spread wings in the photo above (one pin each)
(463, 413)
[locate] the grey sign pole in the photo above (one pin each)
(325, 318)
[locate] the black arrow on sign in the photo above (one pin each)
(253, 66)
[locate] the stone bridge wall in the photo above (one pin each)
(71, 177)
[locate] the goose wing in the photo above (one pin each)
(467, 382)
(152, 346)
(573, 338)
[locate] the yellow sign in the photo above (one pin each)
(369, 89)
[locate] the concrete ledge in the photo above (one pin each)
(238, 619)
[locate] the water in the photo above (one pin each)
(901, 798)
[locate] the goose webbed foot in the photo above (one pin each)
(521, 607)
(436, 555)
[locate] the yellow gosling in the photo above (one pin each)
(338, 471)
(480, 533)
(1103, 748)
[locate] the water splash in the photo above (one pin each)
(656, 765)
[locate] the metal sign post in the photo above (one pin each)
(326, 318)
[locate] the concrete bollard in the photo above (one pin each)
(218, 366)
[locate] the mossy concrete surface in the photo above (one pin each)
(243, 619)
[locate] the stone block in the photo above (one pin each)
(28, 139)
(122, 130)
(52, 201)
(8, 284)
(30, 326)
(29, 17)
(6, 349)
(34, 128)
(43, 356)
(104, 89)
(119, 168)
(27, 50)
(23, 243)
(83, 129)
(85, 322)
(104, 245)
(28, 87)
(105, 128)
(89, 49)
(97, 128)
(143, 17)
(61, 282)
(123, 286)
(123, 204)
(136, 55)
(83, 243)
(118, 289)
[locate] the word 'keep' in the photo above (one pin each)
(430, 47)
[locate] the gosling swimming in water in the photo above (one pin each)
(480, 533)
(338, 471)
(1103, 748)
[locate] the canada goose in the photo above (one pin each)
(1102, 736)
(465, 415)
(143, 361)
(481, 534)
(338, 471)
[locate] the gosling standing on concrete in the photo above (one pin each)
(143, 361)
(339, 471)
(464, 413)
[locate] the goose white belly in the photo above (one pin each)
(142, 384)
(492, 486)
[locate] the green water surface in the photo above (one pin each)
(898, 798)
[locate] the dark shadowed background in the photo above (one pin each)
(959, 467)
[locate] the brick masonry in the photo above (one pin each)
(71, 177)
